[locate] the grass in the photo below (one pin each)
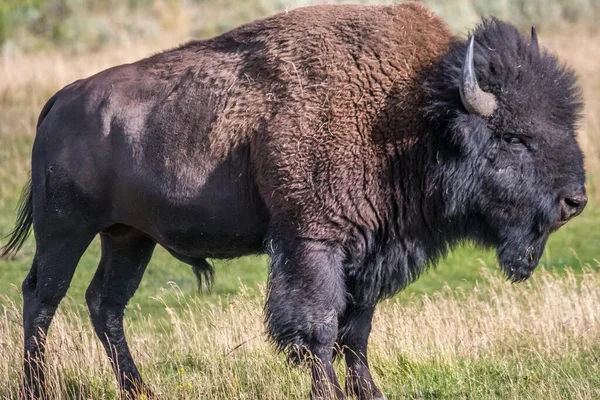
(495, 341)
(457, 332)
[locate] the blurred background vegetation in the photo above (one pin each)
(87, 25)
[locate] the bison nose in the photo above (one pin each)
(572, 206)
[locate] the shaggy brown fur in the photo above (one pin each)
(335, 83)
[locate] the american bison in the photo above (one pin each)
(354, 144)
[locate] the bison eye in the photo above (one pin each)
(514, 141)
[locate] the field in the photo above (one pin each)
(459, 332)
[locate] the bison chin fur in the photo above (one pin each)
(518, 260)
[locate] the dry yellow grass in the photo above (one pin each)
(578, 49)
(211, 351)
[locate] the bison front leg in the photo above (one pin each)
(355, 326)
(306, 295)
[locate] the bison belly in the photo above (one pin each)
(216, 214)
(232, 228)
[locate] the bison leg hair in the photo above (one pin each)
(355, 326)
(58, 250)
(306, 295)
(125, 255)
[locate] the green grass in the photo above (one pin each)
(521, 345)
(560, 378)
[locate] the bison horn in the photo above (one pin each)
(475, 100)
(535, 47)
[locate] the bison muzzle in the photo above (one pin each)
(354, 144)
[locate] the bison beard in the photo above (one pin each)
(356, 145)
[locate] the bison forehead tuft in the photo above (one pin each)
(530, 87)
(526, 83)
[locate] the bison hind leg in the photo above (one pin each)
(59, 246)
(125, 254)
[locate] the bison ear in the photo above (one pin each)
(470, 134)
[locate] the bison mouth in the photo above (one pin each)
(518, 257)
(521, 243)
(557, 225)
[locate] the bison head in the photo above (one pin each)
(510, 170)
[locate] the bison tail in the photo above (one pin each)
(25, 207)
(22, 226)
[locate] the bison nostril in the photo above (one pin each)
(573, 206)
(572, 202)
